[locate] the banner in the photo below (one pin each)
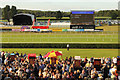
(77, 58)
(77, 63)
(64, 30)
(31, 58)
(56, 29)
(31, 55)
(38, 30)
(70, 29)
(12, 57)
(88, 29)
(33, 30)
(17, 30)
(97, 64)
(22, 29)
(79, 30)
(27, 30)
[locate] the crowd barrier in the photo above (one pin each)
(56, 29)
(50, 30)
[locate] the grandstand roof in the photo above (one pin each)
(23, 19)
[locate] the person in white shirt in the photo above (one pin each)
(113, 71)
(67, 47)
(115, 60)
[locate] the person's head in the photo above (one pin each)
(40, 62)
(75, 72)
(48, 75)
(7, 75)
(115, 67)
(32, 75)
(40, 70)
(40, 55)
(2, 68)
(16, 74)
(71, 65)
(80, 76)
(65, 74)
(83, 71)
(94, 69)
(57, 71)
(55, 65)
(53, 73)
(7, 58)
(22, 74)
(78, 71)
(63, 68)
(100, 75)
(68, 62)
(69, 69)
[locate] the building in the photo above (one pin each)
(23, 19)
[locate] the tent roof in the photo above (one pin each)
(32, 16)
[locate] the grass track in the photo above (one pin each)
(73, 52)
(109, 35)
(64, 37)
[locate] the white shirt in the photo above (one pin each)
(10, 69)
(113, 70)
(115, 60)
(5, 61)
(67, 45)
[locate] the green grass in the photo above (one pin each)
(109, 28)
(51, 18)
(65, 18)
(57, 37)
(4, 20)
(72, 52)
(102, 17)
(69, 17)
(109, 35)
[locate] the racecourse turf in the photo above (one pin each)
(58, 37)
(109, 35)
(72, 52)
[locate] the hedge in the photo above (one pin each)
(58, 45)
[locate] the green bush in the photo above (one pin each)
(46, 45)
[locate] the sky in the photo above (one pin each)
(63, 5)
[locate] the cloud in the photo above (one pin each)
(67, 6)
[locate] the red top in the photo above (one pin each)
(31, 55)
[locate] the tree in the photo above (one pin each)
(58, 15)
(113, 15)
(0, 13)
(13, 11)
(6, 12)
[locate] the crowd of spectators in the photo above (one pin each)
(21, 69)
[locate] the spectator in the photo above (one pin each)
(21, 69)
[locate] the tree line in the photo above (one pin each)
(8, 13)
(108, 13)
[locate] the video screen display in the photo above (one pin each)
(82, 18)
